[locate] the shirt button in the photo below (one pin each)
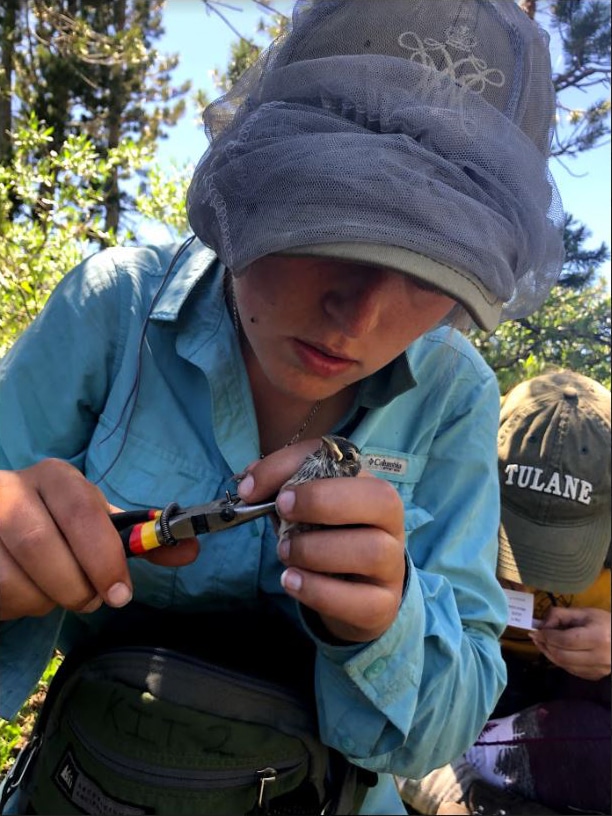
(375, 668)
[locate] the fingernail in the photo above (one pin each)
(119, 595)
(283, 549)
(292, 580)
(285, 501)
(245, 486)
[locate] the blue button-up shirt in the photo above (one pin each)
(405, 703)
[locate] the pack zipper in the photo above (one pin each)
(158, 776)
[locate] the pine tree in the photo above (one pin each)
(583, 30)
(84, 99)
(572, 328)
(85, 67)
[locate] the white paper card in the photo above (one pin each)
(520, 609)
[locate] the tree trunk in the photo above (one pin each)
(8, 22)
(117, 103)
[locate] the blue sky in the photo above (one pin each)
(203, 43)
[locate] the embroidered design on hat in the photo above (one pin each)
(469, 72)
(460, 37)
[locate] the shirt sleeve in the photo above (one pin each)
(54, 380)
(53, 385)
(67, 386)
(419, 695)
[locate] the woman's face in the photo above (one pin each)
(315, 326)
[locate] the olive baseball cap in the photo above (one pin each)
(554, 467)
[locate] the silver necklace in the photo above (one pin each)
(237, 326)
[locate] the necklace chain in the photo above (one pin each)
(298, 434)
(237, 326)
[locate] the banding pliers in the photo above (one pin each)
(145, 530)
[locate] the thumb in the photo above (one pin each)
(559, 617)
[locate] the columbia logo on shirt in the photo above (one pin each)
(387, 464)
(567, 486)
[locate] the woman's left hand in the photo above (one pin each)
(577, 640)
(351, 572)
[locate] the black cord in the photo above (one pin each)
(133, 395)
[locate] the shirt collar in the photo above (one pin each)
(380, 388)
(190, 266)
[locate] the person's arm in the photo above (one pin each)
(58, 549)
(577, 640)
(443, 670)
(52, 386)
(418, 694)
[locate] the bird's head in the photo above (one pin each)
(335, 456)
(342, 456)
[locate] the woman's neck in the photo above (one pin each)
(281, 416)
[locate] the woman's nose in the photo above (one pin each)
(355, 302)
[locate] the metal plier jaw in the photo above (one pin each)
(145, 530)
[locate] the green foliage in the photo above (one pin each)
(14, 734)
(583, 27)
(88, 69)
(161, 198)
(580, 264)
(244, 52)
(57, 218)
(571, 330)
(586, 31)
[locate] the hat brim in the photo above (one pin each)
(465, 288)
(557, 559)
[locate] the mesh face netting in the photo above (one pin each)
(418, 124)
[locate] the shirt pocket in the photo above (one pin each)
(404, 471)
(135, 472)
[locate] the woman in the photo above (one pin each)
(376, 176)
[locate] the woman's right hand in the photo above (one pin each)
(58, 546)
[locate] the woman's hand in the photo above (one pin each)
(351, 572)
(577, 640)
(58, 546)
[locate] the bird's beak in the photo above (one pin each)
(332, 448)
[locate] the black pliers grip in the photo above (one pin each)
(145, 530)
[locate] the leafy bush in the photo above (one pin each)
(14, 734)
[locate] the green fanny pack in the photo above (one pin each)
(132, 730)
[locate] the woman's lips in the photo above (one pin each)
(319, 361)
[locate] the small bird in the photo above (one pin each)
(336, 456)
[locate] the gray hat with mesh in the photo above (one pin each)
(409, 134)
